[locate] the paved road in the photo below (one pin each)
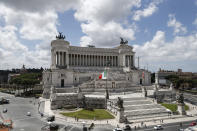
(169, 127)
(17, 110)
(71, 128)
(190, 98)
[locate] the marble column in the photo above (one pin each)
(71, 59)
(93, 60)
(58, 58)
(103, 61)
(62, 59)
(53, 61)
(99, 60)
(88, 60)
(75, 59)
(86, 63)
(114, 60)
(117, 61)
(56, 62)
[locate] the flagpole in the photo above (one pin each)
(107, 93)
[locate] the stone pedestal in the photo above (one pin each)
(120, 115)
(181, 108)
(144, 92)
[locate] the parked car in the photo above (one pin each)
(28, 113)
(158, 127)
(127, 128)
(51, 118)
(117, 129)
(5, 110)
(54, 127)
(193, 123)
(4, 101)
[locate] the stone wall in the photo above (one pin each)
(75, 100)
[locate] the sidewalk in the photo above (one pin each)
(191, 116)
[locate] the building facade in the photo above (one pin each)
(73, 66)
(65, 56)
(160, 76)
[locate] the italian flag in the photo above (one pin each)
(103, 75)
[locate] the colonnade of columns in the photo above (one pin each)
(128, 60)
(92, 60)
(60, 58)
(89, 60)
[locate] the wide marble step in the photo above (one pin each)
(147, 116)
(145, 112)
(134, 98)
(146, 106)
(139, 102)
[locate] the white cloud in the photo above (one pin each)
(177, 26)
(9, 41)
(103, 21)
(41, 5)
(106, 35)
(28, 26)
(85, 40)
(39, 26)
(104, 11)
(159, 52)
(31, 26)
(195, 22)
(152, 8)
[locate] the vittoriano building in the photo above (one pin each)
(65, 56)
(73, 66)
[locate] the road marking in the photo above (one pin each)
(71, 128)
(24, 119)
(166, 127)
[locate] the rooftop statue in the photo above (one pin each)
(122, 42)
(60, 36)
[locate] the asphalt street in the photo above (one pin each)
(17, 112)
(169, 127)
(190, 98)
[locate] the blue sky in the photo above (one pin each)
(162, 32)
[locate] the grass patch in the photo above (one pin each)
(38, 95)
(173, 107)
(186, 107)
(98, 114)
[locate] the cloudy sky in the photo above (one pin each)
(162, 32)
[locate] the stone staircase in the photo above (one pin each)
(140, 108)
